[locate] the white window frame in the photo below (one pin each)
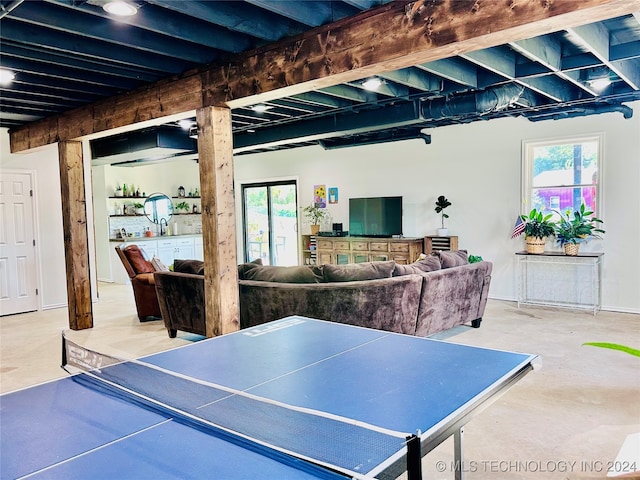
(528, 147)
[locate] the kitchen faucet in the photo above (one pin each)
(162, 231)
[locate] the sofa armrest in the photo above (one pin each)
(181, 299)
(386, 304)
(453, 296)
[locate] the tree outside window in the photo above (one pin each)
(561, 175)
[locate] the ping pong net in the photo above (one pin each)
(282, 431)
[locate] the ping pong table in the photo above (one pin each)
(70, 428)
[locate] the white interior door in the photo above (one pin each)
(17, 245)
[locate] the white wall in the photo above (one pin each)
(477, 167)
(49, 236)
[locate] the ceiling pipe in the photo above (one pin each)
(627, 112)
(481, 102)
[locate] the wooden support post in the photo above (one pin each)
(76, 242)
(215, 154)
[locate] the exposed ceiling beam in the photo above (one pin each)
(397, 35)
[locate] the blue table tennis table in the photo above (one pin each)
(71, 428)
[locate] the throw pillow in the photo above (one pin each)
(244, 266)
(137, 260)
(429, 263)
(278, 274)
(358, 271)
(195, 267)
(158, 265)
(455, 258)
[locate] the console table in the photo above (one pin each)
(557, 279)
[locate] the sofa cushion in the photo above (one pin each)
(137, 260)
(358, 271)
(278, 274)
(455, 258)
(429, 263)
(243, 266)
(195, 267)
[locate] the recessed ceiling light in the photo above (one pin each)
(6, 76)
(261, 107)
(372, 84)
(120, 8)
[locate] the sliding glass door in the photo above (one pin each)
(270, 222)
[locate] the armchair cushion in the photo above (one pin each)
(137, 260)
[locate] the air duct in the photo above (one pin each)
(627, 112)
(142, 146)
(481, 102)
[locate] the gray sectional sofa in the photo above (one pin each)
(433, 294)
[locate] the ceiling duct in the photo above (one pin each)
(142, 146)
(385, 136)
(627, 112)
(481, 102)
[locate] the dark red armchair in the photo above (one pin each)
(140, 271)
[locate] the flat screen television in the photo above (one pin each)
(375, 217)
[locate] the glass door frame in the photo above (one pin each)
(268, 184)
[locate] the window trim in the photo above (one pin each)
(527, 167)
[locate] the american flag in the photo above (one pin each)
(518, 228)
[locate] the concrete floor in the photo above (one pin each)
(566, 420)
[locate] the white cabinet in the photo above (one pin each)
(182, 248)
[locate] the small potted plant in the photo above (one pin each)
(537, 227)
(182, 206)
(138, 208)
(570, 232)
(315, 214)
(441, 204)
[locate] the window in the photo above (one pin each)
(560, 175)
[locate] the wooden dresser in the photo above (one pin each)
(341, 250)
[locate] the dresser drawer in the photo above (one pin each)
(399, 247)
(325, 245)
(379, 246)
(360, 246)
(341, 246)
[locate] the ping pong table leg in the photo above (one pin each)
(458, 453)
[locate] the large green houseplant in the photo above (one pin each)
(571, 231)
(537, 227)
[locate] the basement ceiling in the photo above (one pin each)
(70, 53)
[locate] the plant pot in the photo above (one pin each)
(443, 232)
(535, 244)
(315, 229)
(571, 249)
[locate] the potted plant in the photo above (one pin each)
(441, 204)
(537, 227)
(182, 206)
(315, 214)
(573, 231)
(138, 208)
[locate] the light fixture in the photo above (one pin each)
(120, 8)
(372, 84)
(185, 124)
(6, 76)
(598, 78)
(600, 83)
(261, 107)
